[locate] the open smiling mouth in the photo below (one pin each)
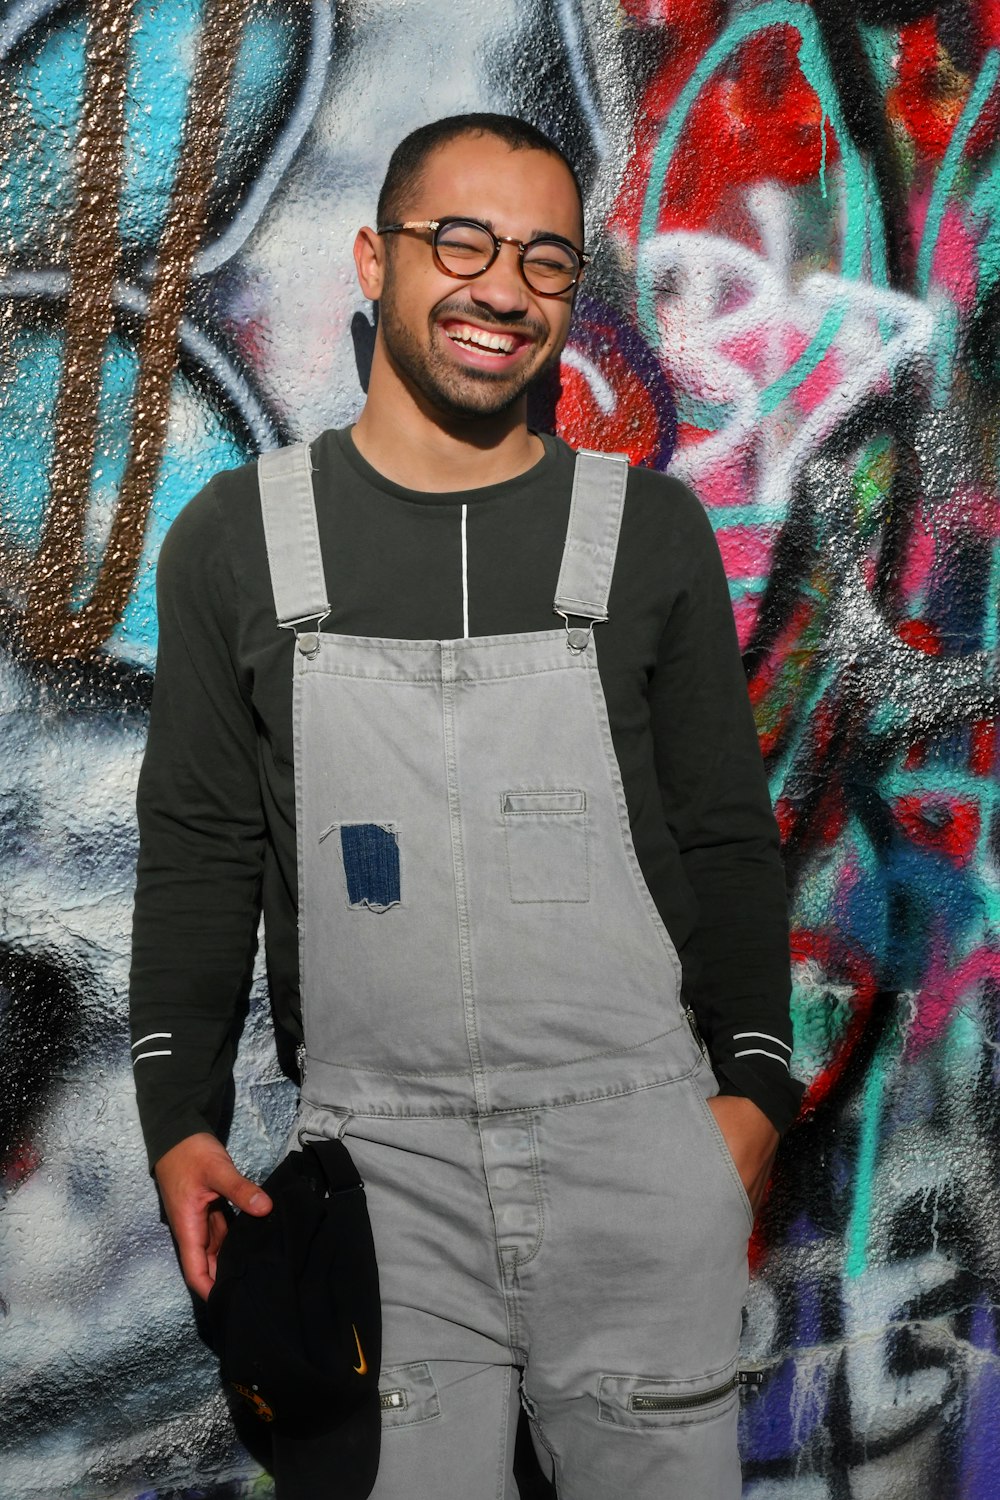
(466, 336)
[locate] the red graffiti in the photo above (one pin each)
(984, 744)
(613, 394)
(17, 1165)
(921, 636)
(839, 964)
(945, 825)
(932, 90)
(776, 681)
(946, 988)
(756, 120)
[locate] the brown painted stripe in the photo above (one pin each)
(93, 264)
(56, 633)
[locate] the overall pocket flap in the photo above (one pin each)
(407, 1395)
(544, 802)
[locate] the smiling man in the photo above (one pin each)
(464, 713)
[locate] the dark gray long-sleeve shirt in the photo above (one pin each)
(216, 795)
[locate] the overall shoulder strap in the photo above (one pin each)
(595, 518)
(291, 532)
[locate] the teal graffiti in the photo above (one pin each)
(25, 456)
(943, 183)
(856, 1239)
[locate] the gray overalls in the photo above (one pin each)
(493, 1025)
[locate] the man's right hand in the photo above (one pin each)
(193, 1176)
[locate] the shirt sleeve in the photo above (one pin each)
(201, 842)
(716, 802)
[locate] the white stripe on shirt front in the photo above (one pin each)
(153, 1036)
(465, 573)
(141, 1055)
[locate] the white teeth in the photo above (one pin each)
(479, 338)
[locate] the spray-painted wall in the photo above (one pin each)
(795, 209)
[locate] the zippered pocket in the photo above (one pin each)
(407, 1396)
(654, 1401)
(643, 1401)
(699, 1040)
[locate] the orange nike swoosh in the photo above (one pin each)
(362, 1368)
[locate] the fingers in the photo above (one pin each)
(197, 1266)
(198, 1232)
(241, 1192)
(193, 1176)
(217, 1231)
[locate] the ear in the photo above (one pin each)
(369, 258)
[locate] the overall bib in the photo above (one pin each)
(493, 1024)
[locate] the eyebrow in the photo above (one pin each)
(536, 234)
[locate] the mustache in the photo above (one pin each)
(486, 317)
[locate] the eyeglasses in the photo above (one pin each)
(466, 249)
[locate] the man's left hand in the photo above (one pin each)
(751, 1138)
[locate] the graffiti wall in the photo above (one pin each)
(794, 207)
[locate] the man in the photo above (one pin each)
(481, 835)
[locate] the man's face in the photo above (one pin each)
(435, 328)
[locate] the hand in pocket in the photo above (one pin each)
(751, 1138)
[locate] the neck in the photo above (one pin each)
(412, 443)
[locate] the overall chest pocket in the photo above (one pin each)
(546, 836)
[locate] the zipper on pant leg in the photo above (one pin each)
(653, 1401)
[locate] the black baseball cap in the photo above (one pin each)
(296, 1322)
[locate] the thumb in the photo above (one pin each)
(243, 1194)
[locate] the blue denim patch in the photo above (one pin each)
(371, 865)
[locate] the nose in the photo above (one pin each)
(502, 287)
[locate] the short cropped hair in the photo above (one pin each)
(406, 164)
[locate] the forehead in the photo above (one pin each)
(520, 192)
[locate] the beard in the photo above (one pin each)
(465, 392)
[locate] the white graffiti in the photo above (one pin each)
(728, 317)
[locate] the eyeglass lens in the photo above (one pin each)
(466, 249)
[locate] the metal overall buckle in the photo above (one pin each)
(578, 636)
(307, 642)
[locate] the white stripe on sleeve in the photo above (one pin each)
(760, 1052)
(741, 1036)
(153, 1036)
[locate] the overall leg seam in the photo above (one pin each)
(500, 1489)
(536, 1423)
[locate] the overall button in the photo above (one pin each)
(511, 1175)
(506, 1147)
